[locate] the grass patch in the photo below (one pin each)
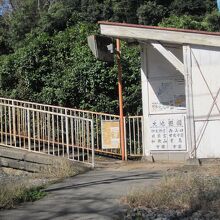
(12, 194)
(62, 168)
(15, 191)
(32, 194)
(183, 192)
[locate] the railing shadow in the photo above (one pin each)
(134, 177)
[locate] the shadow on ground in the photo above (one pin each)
(93, 195)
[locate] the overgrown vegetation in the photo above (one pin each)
(29, 188)
(185, 192)
(62, 168)
(14, 193)
(44, 55)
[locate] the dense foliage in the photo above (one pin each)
(44, 55)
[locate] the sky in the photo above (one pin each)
(218, 2)
(5, 6)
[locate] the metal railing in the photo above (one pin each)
(30, 127)
(134, 135)
(59, 126)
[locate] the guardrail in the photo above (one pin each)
(59, 126)
(28, 126)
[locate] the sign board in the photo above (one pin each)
(110, 134)
(167, 95)
(167, 132)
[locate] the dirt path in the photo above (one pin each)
(93, 195)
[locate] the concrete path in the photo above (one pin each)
(93, 195)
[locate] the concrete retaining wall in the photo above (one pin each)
(25, 160)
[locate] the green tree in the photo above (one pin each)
(44, 55)
(22, 21)
(55, 18)
(192, 7)
(4, 44)
(61, 69)
(150, 13)
(130, 7)
(213, 21)
(184, 21)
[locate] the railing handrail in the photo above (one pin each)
(139, 116)
(59, 107)
(133, 124)
(50, 131)
(46, 112)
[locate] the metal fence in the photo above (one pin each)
(134, 135)
(28, 127)
(52, 129)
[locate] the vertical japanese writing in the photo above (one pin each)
(167, 133)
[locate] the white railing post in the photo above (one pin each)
(92, 141)
(125, 136)
(142, 134)
(67, 134)
(14, 122)
(29, 129)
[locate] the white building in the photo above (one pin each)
(180, 89)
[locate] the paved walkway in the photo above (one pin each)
(93, 195)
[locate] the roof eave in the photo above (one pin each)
(146, 33)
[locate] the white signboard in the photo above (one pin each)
(167, 95)
(167, 132)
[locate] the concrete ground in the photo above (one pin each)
(93, 195)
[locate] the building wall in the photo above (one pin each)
(206, 89)
(164, 105)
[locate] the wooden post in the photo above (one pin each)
(122, 136)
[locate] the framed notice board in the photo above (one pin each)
(110, 134)
(167, 132)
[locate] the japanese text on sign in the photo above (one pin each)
(167, 133)
(110, 135)
(167, 95)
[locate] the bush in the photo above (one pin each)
(184, 192)
(185, 22)
(61, 70)
(12, 194)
